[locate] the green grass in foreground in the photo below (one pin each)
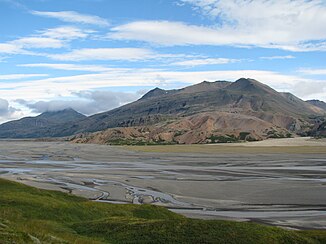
(30, 215)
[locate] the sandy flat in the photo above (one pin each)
(287, 142)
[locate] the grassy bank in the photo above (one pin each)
(30, 215)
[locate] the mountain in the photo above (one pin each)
(39, 126)
(317, 103)
(157, 92)
(243, 97)
(206, 112)
(204, 86)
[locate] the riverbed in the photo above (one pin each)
(280, 189)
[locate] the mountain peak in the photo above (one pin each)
(247, 81)
(251, 85)
(63, 112)
(157, 89)
(41, 125)
(205, 86)
(154, 93)
(200, 87)
(60, 116)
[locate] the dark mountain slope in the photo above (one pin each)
(245, 96)
(317, 103)
(157, 92)
(321, 130)
(39, 126)
(205, 86)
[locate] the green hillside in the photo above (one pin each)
(30, 215)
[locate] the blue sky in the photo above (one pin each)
(94, 55)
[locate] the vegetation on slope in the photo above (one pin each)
(30, 215)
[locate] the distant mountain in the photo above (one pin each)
(317, 103)
(157, 92)
(39, 126)
(204, 86)
(206, 112)
(243, 97)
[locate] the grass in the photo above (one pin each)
(223, 139)
(136, 142)
(231, 148)
(30, 215)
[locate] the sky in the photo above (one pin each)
(95, 55)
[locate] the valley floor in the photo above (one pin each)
(31, 215)
(280, 182)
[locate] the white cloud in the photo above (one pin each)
(290, 25)
(313, 71)
(49, 38)
(301, 47)
(308, 89)
(8, 48)
(6, 111)
(81, 91)
(75, 67)
(20, 76)
(65, 33)
(207, 61)
(168, 33)
(131, 54)
(52, 88)
(57, 37)
(86, 102)
(278, 57)
(4, 107)
(74, 17)
(38, 42)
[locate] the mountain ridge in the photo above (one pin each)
(26, 127)
(317, 103)
(220, 108)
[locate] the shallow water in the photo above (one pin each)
(273, 188)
